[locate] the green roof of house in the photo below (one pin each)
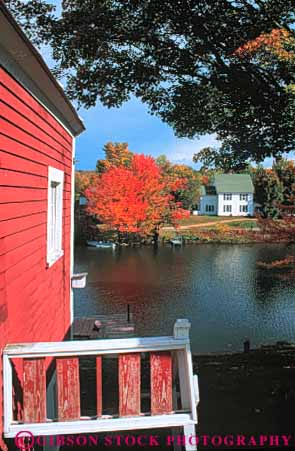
(233, 183)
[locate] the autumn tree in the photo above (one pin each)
(116, 155)
(83, 180)
(163, 162)
(280, 230)
(189, 194)
(275, 50)
(135, 199)
(184, 59)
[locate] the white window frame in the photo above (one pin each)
(244, 196)
(227, 209)
(244, 209)
(227, 196)
(54, 218)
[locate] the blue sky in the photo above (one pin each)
(133, 124)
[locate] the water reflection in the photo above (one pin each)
(218, 287)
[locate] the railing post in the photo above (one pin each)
(181, 328)
(7, 393)
(162, 413)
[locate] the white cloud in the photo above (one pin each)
(182, 150)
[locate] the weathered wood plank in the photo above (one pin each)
(34, 390)
(161, 382)
(68, 388)
(111, 326)
(129, 384)
(98, 386)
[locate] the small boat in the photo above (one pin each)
(101, 244)
(176, 241)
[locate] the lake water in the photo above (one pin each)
(219, 288)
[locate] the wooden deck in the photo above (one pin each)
(112, 326)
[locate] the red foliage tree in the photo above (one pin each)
(136, 199)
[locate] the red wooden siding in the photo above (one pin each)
(161, 382)
(68, 389)
(34, 299)
(129, 384)
(34, 380)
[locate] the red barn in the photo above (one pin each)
(38, 130)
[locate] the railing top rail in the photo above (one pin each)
(93, 347)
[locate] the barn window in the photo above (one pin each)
(54, 215)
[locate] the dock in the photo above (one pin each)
(111, 326)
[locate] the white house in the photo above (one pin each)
(228, 195)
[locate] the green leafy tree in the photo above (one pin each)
(189, 194)
(35, 17)
(220, 160)
(183, 60)
(285, 170)
(268, 192)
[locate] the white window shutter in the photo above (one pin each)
(54, 215)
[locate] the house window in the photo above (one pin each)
(54, 215)
(244, 208)
(209, 208)
(243, 196)
(227, 196)
(227, 208)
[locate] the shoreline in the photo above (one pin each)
(247, 392)
(189, 242)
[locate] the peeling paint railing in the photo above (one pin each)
(170, 364)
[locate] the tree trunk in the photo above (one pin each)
(156, 238)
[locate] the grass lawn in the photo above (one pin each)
(243, 224)
(204, 219)
(193, 219)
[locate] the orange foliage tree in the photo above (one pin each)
(116, 154)
(84, 179)
(136, 199)
(274, 50)
(279, 42)
(279, 230)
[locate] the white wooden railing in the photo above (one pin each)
(169, 360)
